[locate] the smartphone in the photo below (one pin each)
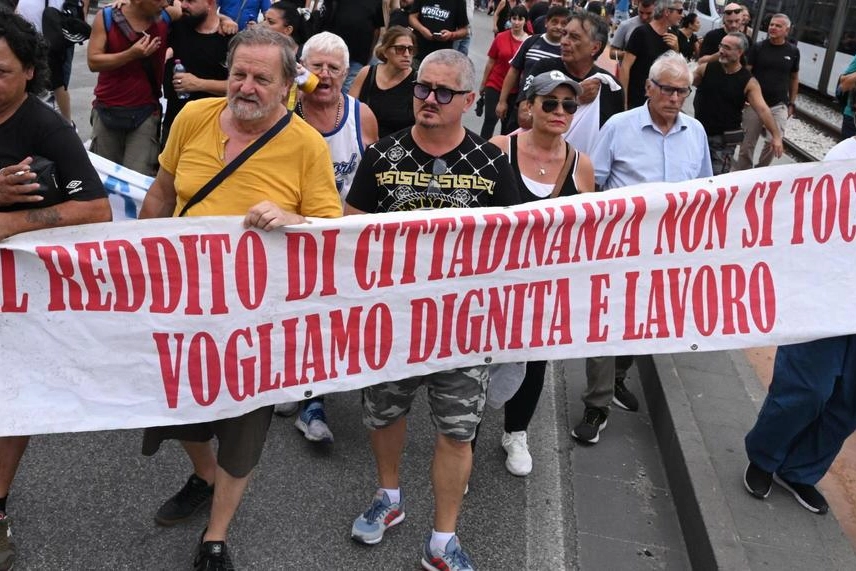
(437, 35)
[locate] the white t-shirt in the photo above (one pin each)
(31, 10)
(846, 149)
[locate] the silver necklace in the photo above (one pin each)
(338, 112)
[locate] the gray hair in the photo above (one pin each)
(781, 17)
(326, 43)
(670, 64)
(661, 7)
(453, 58)
(264, 36)
(595, 26)
(744, 41)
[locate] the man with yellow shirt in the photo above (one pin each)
(286, 179)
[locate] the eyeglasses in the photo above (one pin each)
(317, 68)
(550, 105)
(443, 95)
(733, 11)
(669, 90)
(401, 50)
(678, 10)
(438, 167)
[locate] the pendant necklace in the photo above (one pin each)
(338, 112)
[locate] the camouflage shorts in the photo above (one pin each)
(456, 398)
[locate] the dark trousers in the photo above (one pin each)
(810, 409)
(491, 98)
(521, 407)
(848, 127)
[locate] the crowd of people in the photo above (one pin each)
(375, 91)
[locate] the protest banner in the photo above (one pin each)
(172, 321)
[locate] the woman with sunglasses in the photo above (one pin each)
(387, 88)
(538, 157)
(504, 46)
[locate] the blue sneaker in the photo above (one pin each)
(453, 558)
(312, 422)
(381, 515)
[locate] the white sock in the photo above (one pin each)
(439, 540)
(394, 495)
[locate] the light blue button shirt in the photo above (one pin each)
(630, 150)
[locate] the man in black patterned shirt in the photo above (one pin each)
(437, 163)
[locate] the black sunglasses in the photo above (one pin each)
(550, 105)
(443, 95)
(734, 11)
(438, 167)
(678, 10)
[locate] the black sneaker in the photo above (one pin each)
(7, 546)
(195, 495)
(757, 481)
(807, 495)
(212, 556)
(623, 397)
(588, 431)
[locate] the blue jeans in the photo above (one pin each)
(810, 409)
(463, 45)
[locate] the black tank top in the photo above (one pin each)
(569, 188)
(392, 107)
(720, 98)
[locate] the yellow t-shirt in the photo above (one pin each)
(293, 170)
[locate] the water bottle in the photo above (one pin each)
(179, 68)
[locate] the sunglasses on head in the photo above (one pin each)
(401, 50)
(443, 95)
(550, 105)
(733, 11)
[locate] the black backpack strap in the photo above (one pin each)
(235, 163)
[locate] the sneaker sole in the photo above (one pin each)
(752, 492)
(391, 524)
(797, 497)
(593, 440)
(304, 429)
(623, 406)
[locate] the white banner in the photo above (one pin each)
(143, 323)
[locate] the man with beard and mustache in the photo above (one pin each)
(437, 163)
(195, 41)
(284, 180)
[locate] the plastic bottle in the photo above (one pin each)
(179, 68)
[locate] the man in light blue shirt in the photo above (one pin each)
(651, 143)
(655, 142)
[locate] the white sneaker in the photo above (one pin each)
(519, 462)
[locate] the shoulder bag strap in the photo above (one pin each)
(563, 174)
(235, 163)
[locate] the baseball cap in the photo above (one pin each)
(544, 83)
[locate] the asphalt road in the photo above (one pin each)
(87, 501)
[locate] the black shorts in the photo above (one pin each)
(56, 62)
(240, 439)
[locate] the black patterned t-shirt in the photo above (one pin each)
(395, 175)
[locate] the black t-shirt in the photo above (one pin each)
(539, 10)
(355, 21)
(686, 46)
(400, 17)
(37, 130)
(438, 15)
(611, 102)
(395, 175)
(203, 55)
(531, 51)
(710, 42)
(647, 45)
(720, 98)
(772, 66)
